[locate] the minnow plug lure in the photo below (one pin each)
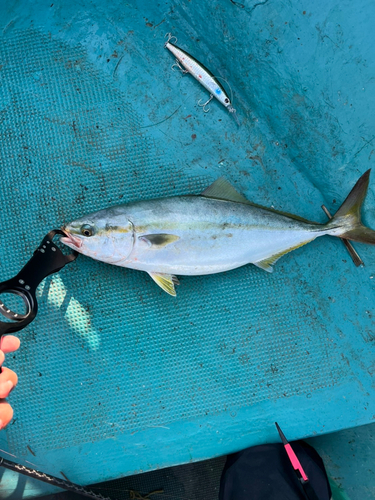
(188, 64)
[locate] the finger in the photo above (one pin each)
(5, 388)
(9, 343)
(7, 375)
(6, 413)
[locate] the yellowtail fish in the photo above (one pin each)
(214, 232)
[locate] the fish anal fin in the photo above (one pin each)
(221, 189)
(159, 240)
(166, 281)
(267, 263)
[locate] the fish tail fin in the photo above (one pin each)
(346, 222)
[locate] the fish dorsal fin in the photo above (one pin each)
(166, 281)
(221, 189)
(159, 240)
(267, 263)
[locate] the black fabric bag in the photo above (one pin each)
(265, 473)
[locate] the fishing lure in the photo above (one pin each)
(188, 64)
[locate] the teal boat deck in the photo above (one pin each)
(115, 376)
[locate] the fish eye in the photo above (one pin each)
(87, 230)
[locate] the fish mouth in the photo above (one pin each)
(70, 240)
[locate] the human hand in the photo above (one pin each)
(8, 379)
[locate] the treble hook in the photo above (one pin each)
(177, 64)
(205, 104)
(170, 37)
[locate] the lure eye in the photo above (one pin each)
(226, 100)
(87, 230)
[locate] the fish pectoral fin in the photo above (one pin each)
(159, 240)
(166, 281)
(267, 263)
(223, 190)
